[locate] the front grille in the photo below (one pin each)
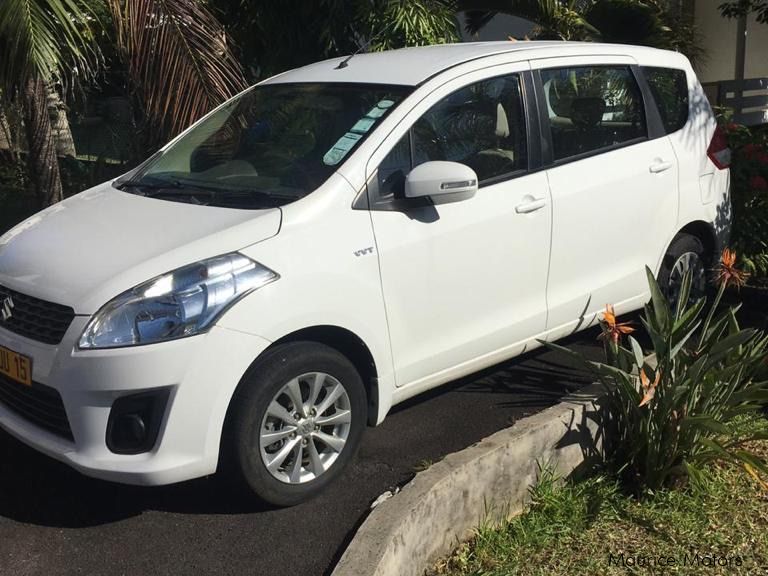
(34, 318)
(39, 404)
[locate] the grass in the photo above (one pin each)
(590, 527)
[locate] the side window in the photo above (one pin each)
(670, 91)
(592, 107)
(481, 125)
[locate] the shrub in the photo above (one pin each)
(749, 195)
(17, 200)
(668, 417)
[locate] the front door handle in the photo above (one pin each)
(660, 166)
(531, 206)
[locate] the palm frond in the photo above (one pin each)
(555, 19)
(43, 38)
(178, 59)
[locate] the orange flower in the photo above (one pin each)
(649, 390)
(613, 329)
(727, 273)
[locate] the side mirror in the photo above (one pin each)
(443, 182)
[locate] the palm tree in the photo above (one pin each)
(42, 40)
(179, 61)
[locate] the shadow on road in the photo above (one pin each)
(37, 490)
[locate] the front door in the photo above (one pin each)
(463, 283)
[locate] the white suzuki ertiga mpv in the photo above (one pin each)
(342, 237)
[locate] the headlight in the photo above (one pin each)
(178, 304)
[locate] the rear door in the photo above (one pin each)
(614, 185)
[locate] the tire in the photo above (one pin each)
(686, 251)
(303, 464)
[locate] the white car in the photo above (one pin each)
(342, 237)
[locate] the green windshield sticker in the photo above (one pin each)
(363, 125)
(340, 149)
(376, 112)
(347, 142)
(380, 109)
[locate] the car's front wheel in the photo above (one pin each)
(295, 422)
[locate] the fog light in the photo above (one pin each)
(134, 421)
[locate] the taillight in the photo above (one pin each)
(719, 151)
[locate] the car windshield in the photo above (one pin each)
(269, 146)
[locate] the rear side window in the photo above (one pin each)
(670, 90)
(591, 108)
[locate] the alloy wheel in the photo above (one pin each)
(688, 262)
(305, 428)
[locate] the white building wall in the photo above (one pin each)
(719, 36)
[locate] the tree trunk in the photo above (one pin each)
(62, 133)
(5, 133)
(41, 162)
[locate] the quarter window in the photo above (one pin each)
(592, 108)
(670, 91)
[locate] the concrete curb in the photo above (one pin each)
(406, 534)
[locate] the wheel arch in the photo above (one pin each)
(348, 344)
(705, 232)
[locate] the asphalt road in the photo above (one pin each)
(55, 521)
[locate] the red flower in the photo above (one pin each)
(763, 158)
(758, 183)
(731, 127)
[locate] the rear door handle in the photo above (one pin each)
(660, 166)
(528, 207)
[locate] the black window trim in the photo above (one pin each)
(368, 198)
(653, 125)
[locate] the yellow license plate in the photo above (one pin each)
(16, 366)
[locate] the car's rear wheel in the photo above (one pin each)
(686, 254)
(296, 421)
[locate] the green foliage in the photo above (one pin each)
(571, 527)
(738, 8)
(554, 19)
(670, 416)
(398, 23)
(44, 38)
(749, 195)
(16, 200)
(276, 36)
(657, 23)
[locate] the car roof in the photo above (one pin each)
(412, 66)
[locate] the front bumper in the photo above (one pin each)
(201, 373)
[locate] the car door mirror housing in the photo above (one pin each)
(441, 181)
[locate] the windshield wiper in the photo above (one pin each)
(149, 183)
(158, 187)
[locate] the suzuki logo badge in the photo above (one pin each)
(6, 308)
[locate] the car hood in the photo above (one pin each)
(88, 249)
